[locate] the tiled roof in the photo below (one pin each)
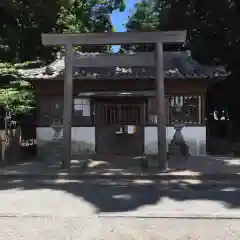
(176, 65)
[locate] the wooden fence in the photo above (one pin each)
(15, 147)
(10, 146)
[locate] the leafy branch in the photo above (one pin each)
(16, 94)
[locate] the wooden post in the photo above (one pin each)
(67, 110)
(160, 97)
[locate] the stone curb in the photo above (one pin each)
(83, 176)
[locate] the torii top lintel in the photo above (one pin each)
(116, 38)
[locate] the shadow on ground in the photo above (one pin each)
(127, 195)
(127, 164)
(121, 196)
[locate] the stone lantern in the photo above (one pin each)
(178, 144)
(57, 126)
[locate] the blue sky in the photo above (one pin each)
(120, 18)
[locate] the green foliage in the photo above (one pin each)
(16, 94)
(22, 23)
(212, 26)
(28, 65)
(17, 101)
(144, 18)
(6, 67)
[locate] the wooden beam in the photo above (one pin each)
(67, 110)
(161, 114)
(116, 38)
(143, 59)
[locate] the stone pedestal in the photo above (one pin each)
(178, 145)
(56, 148)
(178, 137)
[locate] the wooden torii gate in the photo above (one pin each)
(121, 60)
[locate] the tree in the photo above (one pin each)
(16, 93)
(212, 26)
(23, 21)
(145, 18)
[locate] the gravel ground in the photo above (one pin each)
(117, 229)
(87, 210)
(91, 198)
